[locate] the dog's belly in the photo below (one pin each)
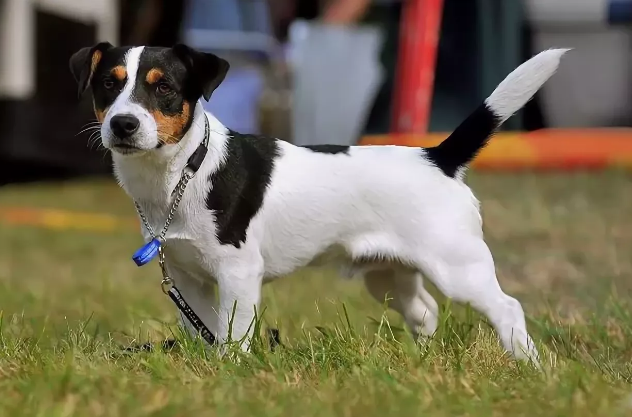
(337, 258)
(334, 255)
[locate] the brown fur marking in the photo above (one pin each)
(119, 72)
(100, 114)
(154, 75)
(96, 58)
(171, 128)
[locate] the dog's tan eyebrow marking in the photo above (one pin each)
(154, 75)
(119, 72)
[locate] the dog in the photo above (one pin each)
(260, 208)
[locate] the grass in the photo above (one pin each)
(70, 299)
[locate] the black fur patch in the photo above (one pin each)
(465, 142)
(103, 98)
(175, 75)
(239, 185)
(330, 149)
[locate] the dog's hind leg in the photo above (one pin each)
(463, 269)
(404, 292)
(419, 308)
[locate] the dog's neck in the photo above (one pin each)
(150, 178)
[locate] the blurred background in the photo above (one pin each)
(323, 71)
(314, 71)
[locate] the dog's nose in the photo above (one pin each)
(124, 125)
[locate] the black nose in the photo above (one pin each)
(124, 125)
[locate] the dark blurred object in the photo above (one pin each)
(480, 43)
(152, 22)
(532, 115)
(37, 135)
(284, 12)
(387, 16)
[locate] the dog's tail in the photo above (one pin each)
(512, 93)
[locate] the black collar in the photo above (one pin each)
(195, 160)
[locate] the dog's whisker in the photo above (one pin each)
(91, 123)
(95, 139)
(177, 141)
(87, 129)
(90, 144)
(165, 142)
(94, 135)
(162, 134)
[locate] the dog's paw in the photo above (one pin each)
(274, 338)
(166, 345)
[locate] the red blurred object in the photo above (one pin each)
(419, 39)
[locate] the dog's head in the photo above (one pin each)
(145, 97)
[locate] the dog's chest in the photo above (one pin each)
(187, 255)
(190, 242)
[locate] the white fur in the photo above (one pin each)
(146, 138)
(519, 86)
(383, 201)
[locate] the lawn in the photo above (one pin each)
(70, 299)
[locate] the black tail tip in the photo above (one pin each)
(462, 146)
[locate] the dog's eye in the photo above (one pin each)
(163, 88)
(108, 83)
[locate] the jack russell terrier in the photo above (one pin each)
(253, 209)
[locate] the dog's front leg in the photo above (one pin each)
(239, 287)
(201, 297)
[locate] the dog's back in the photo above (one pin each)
(374, 201)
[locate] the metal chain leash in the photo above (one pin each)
(179, 192)
(167, 282)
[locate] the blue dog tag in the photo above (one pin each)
(147, 252)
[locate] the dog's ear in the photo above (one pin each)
(84, 62)
(208, 70)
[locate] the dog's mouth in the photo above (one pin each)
(125, 148)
